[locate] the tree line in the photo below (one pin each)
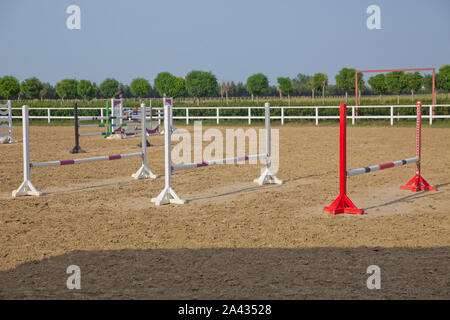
(199, 84)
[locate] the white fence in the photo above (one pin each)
(282, 117)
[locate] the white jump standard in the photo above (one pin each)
(27, 187)
(6, 116)
(168, 195)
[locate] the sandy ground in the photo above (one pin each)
(233, 239)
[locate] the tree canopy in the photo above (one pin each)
(168, 84)
(85, 89)
(285, 85)
(31, 88)
(345, 80)
(378, 84)
(201, 84)
(413, 82)
(257, 84)
(444, 77)
(396, 81)
(67, 89)
(140, 87)
(109, 87)
(9, 87)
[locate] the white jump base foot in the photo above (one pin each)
(144, 172)
(168, 196)
(26, 189)
(267, 177)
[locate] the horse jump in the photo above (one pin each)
(135, 123)
(168, 195)
(120, 123)
(27, 187)
(6, 114)
(343, 204)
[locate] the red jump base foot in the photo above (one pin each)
(418, 184)
(343, 204)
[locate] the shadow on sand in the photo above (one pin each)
(264, 273)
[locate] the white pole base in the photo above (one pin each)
(115, 136)
(168, 196)
(144, 172)
(267, 177)
(26, 189)
(12, 140)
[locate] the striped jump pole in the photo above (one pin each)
(219, 161)
(343, 204)
(27, 187)
(418, 183)
(168, 195)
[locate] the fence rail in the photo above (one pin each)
(282, 113)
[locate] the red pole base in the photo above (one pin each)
(418, 184)
(343, 204)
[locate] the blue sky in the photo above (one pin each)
(231, 38)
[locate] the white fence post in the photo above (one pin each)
(101, 114)
(392, 115)
(249, 115)
(48, 115)
(217, 115)
(282, 116)
(353, 115)
(431, 115)
(187, 115)
(317, 116)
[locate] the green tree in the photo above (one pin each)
(378, 84)
(201, 84)
(285, 85)
(47, 92)
(300, 84)
(414, 82)
(345, 80)
(444, 77)
(140, 87)
(67, 89)
(428, 82)
(109, 88)
(85, 89)
(257, 84)
(320, 81)
(31, 88)
(179, 87)
(9, 87)
(170, 85)
(312, 87)
(164, 82)
(396, 82)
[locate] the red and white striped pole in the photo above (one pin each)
(418, 183)
(343, 204)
